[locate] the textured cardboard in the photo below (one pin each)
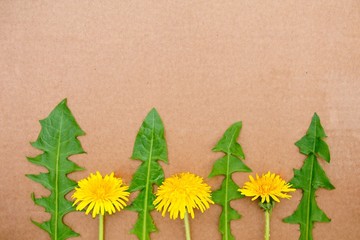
(203, 65)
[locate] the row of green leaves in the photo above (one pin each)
(58, 141)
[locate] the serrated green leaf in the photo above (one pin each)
(150, 147)
(226, 166)
(309, 178)
(220, 166)
(228, 144)
(58, 141)
(138, 227)
(232, 192)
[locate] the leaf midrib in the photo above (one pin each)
(148, 178)
(57, 179)
(227, 186)
(310, 184)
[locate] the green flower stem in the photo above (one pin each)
(267, 224)
(187, 226)
(267, 207)
(101, 227)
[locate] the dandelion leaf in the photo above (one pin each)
(309, 178)
(226, 166)
(150, 147)
(58, 141)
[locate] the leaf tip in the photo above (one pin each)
(29, 158)
(63, 102)
(82, 152)
(153, 111)
(238, 124)
(35, 222)
(79, 168)
(214, 149)
(33, 196)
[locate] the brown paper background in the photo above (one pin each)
(203, 65)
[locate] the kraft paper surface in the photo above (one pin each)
(203, 65)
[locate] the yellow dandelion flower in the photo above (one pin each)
(100, 194)
(181, 193)
(267, 186)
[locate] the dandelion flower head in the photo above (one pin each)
(182, 193)
(267, 186)
(101, 194)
